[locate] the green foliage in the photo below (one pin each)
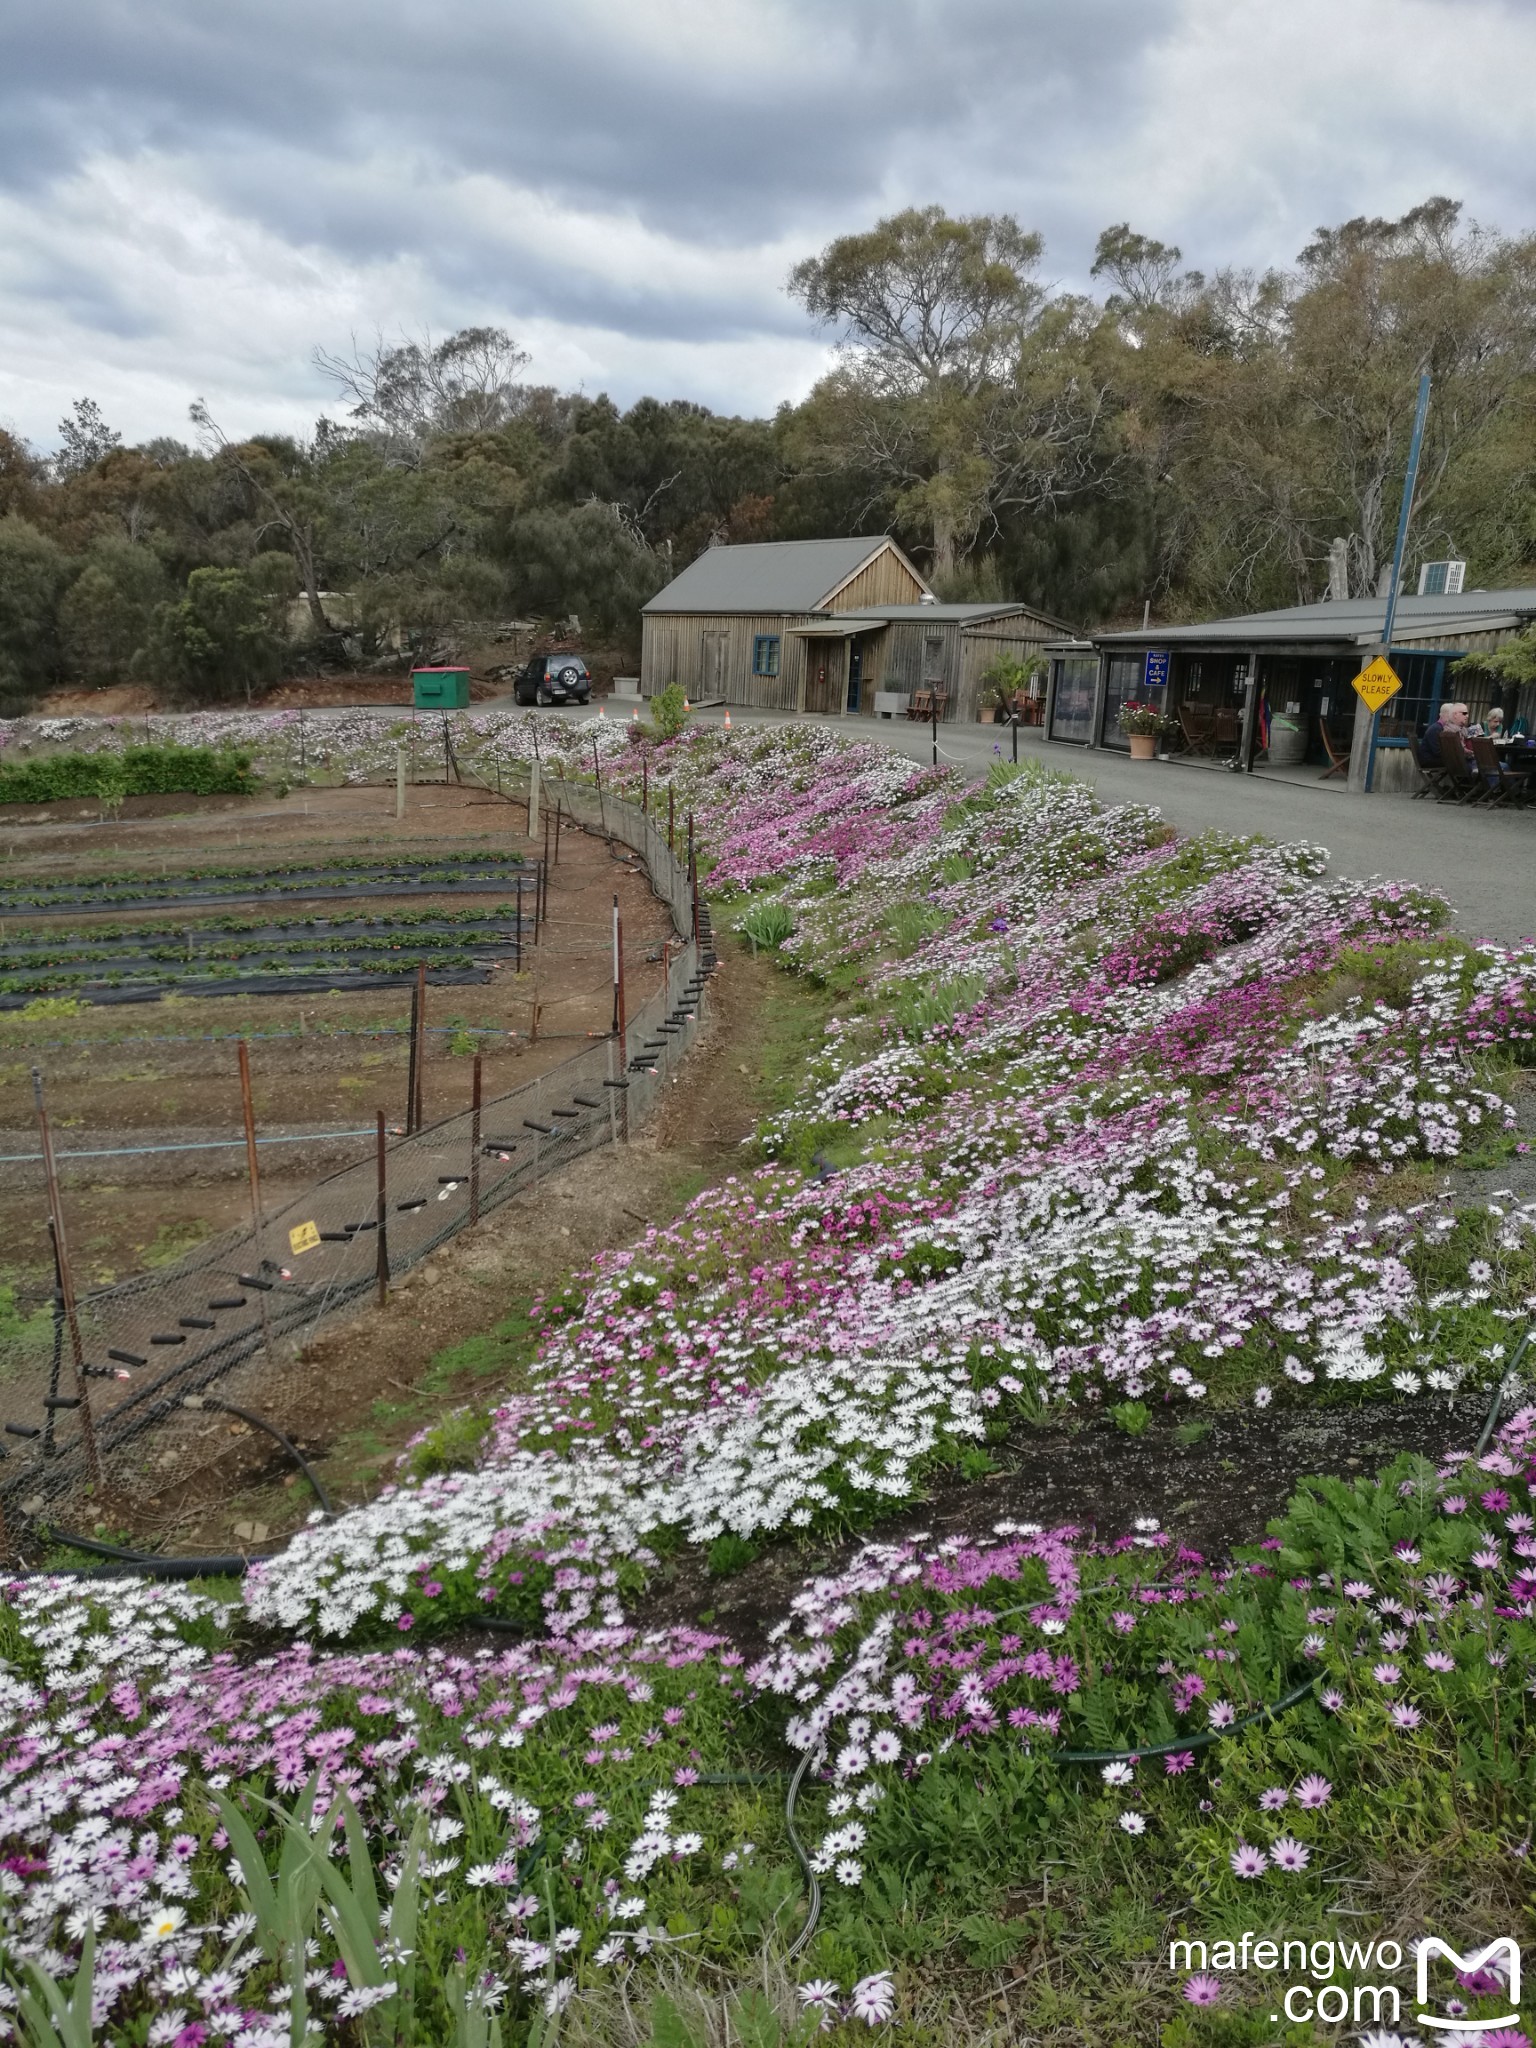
(912, 922)
(137, 771)
(452, 1445)
(55, 2017)
(730, 1553)
(220, 640)
(106, 614)
(34, 573)
(767, 924)
(1007, 677)
(1131, 1416)
(669, 711)
(918, 1012)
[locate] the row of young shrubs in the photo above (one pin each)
(136, 771)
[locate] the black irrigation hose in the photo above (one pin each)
(132, 1563)
(144, 1563)
(223, 1407)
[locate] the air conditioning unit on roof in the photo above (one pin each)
(1442, 579)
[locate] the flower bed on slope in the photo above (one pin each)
(1104, 1116)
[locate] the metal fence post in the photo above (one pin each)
(421, 1045)
(253, 1168)
(381, 1218)
(410, 1070)
(66, 1286)
(474, 1146)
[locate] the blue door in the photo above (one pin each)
(855, 672)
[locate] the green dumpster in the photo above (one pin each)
(440, 689)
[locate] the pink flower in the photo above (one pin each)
(1272, 1800)
(1313, 1791)
(1180, 1761)
(1247, 1861)
(1289, 1854)
(1406, 1717)
(1385, 1674)
(406, 1621)
(1202, 1989)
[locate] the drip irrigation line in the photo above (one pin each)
(812, 1884)
(321, 1034)
(1498, 1393)
(1267, 1712)
(195, 1145)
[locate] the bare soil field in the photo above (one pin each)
(122, 1079)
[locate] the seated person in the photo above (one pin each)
(1453, 718)
(1492, 728)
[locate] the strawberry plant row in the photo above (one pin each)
(327, 981)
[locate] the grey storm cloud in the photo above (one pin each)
(696, 145)
(193, 195)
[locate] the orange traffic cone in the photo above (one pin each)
(727, 720)
(602, 710)
(634, 715)
(686, 705)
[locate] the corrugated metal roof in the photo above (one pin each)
(1356, 621)
(967, 614)
(766, 576)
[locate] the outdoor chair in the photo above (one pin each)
(1461, 782)
(1199, 725)
(1338, 763)
(1501, 785)
(1229, 731)
(920, 708)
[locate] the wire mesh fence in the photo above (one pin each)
(82, 1386)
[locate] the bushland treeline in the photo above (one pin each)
(1194, 439)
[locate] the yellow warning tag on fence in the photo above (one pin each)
(1375, 684)
(303, 1238)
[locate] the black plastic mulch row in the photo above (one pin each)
(316, 894)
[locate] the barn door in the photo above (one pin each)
(713, 665)
(824, 675)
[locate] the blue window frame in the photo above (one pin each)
(765, 654)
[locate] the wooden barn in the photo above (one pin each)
(825, 626)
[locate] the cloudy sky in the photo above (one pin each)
(195, 193)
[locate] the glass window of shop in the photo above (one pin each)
(1074, 680)
(1127, 685)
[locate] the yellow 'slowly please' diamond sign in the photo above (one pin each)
(1375, 684)
(303, 1238)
